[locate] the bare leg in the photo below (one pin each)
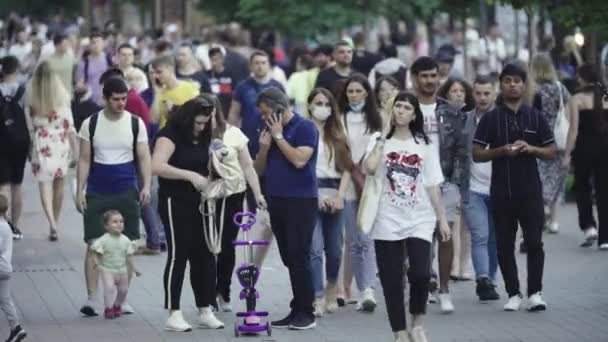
(446, 256)
(465, 249)
(57, 198)
(16, 204)
(91, 274)
(455, 271)
(46, 197)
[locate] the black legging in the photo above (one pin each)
(592, 169)
(186, 243)
(390, 256)
(226, 259)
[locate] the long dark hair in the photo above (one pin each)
(334, 135)
(182, 119)
(373, 120)
(388, 79)
(417, 125)
(589, 74)
(469, 100)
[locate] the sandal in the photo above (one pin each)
(53, 236)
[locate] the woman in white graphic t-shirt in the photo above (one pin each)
(410, 206)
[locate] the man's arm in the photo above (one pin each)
(144, 162)
(82, 173)
(298, 156)
(482, 155)
(234, 115)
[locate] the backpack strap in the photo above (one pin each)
(135, 130)
(86, 67)
(19, 93)
(92, 127)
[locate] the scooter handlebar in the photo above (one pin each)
(250, 243)
(249, 219)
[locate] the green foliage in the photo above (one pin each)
(40, 8)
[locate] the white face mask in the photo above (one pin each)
(357, 106)
(320, 113)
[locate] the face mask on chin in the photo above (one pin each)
(357, 106)
(320, 113)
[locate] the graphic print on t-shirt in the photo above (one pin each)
(403, 172)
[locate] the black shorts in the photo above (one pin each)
(12, 168)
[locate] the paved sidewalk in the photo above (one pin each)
(48, 287)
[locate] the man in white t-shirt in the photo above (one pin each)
(476, 199)
(113, 148)
(492, 53)
(444, 125)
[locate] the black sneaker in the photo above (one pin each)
(283, 323)
(17, 334)
(485, 290)
(88, 311)
(17, 235)
(303, 322)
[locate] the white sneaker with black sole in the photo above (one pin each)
(513, 304)
(208, 320)
(367, 303)
(176, 322)
(222, 305)
(603, 247)
(536, 303)
(589, 236)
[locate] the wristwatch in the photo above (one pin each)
(279, 137)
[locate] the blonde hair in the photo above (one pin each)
(46, 91)
(542, 69)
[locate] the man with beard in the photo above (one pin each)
(333, 78)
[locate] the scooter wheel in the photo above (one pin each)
(269, 328)
(237, 332)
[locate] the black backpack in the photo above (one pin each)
(134, 129)
(14, 133)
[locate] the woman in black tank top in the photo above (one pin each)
(590, 157)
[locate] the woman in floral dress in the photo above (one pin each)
(54, 140)
(547, 100)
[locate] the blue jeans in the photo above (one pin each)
(327, 237)
(361, 248)
(155, 233)
(478, 217)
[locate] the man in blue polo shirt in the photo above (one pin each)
(513, 135)
(287, 158)
(244, 112)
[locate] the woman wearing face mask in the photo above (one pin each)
(361, 119)
(460, 93)
(386, 88)
(333, 161)
(410, 205)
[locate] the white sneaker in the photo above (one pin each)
(445, 301)
(176, 322)
(604, 247)
(208, 320)
(513, 304)
(127, 309)
(590, 235)
(553, 228)
(319, 306)
(331, 299)
(536, 303)
(418, 335)
(367, 302)
(222, 305)
(402, 336)
(433, 298)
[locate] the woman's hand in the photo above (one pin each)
(336, 203)
(261, 201)
(199, 182)
(445, 231)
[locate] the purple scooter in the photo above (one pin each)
(248, 275)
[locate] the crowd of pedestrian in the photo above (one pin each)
(371, 166)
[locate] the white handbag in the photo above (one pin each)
(562, 125)
(370, 202)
